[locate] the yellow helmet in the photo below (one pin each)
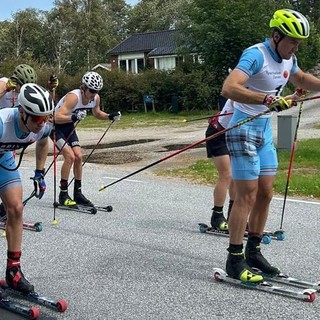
(290, 23)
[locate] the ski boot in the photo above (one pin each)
(16, 280)
(218, 221)
(255, 259)
(80, 199)
(65, 200)
(237, 268)
(3, 213)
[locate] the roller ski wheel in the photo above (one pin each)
(62, 305)
(203, 228)
(93, 210)
(109, 208)
(38, 226)
(311, 296)
(266, 239)
(219, 275)
(280, 235)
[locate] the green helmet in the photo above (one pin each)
(23, 73)
(291, 23)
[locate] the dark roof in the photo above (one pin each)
(158, 42)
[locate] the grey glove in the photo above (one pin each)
(78, 115)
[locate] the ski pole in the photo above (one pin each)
(52, 162)
(293, 149)
(95, 147)
(54, 138)
(208, 117)
(240, 123)
(307, 99)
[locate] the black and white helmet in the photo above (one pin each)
(93, 80)
(35, 100)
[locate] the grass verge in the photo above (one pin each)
(304, 180)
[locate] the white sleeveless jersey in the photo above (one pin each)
(227, 108)
(9, 99)
(79, 106)
(270, 80)
(9, 129)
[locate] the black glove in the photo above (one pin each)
(115, 116)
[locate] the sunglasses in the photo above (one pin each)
(40, 119)
(93, 91)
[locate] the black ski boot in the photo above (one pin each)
(65, 200)
(3, 213)
(237, 268)
(81, 199)
(218, 221)
(255, 259)
(16, 280)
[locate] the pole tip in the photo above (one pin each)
(54, 221)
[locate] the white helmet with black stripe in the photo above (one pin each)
(35, 100)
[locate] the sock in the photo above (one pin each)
(235, 248)
(217, 209)
(77, 185)
(13, 258)
(63, 184)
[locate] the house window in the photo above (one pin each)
(165, 63)
(123, 65)
(140, 64)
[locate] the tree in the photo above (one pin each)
(156, 15)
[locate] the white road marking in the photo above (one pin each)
(297, 200)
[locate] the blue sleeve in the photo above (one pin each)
(1, 128)
(251, 61)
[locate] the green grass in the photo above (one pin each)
(304, 180)
(149, 119)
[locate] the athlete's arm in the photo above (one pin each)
(42, 148)
(234, 88)
(63, 114)
(304, 80)
(96, 110)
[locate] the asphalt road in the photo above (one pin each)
(147, 260)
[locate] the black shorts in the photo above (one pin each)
(66, 134)
(217, 146)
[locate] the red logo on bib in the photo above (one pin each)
(285, 74)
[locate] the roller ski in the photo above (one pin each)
(307, 295)
(266, 239)
(57, 305)
(82, 201)
(76, 208)
(32, 313)
(290, 281)
(66, 203)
